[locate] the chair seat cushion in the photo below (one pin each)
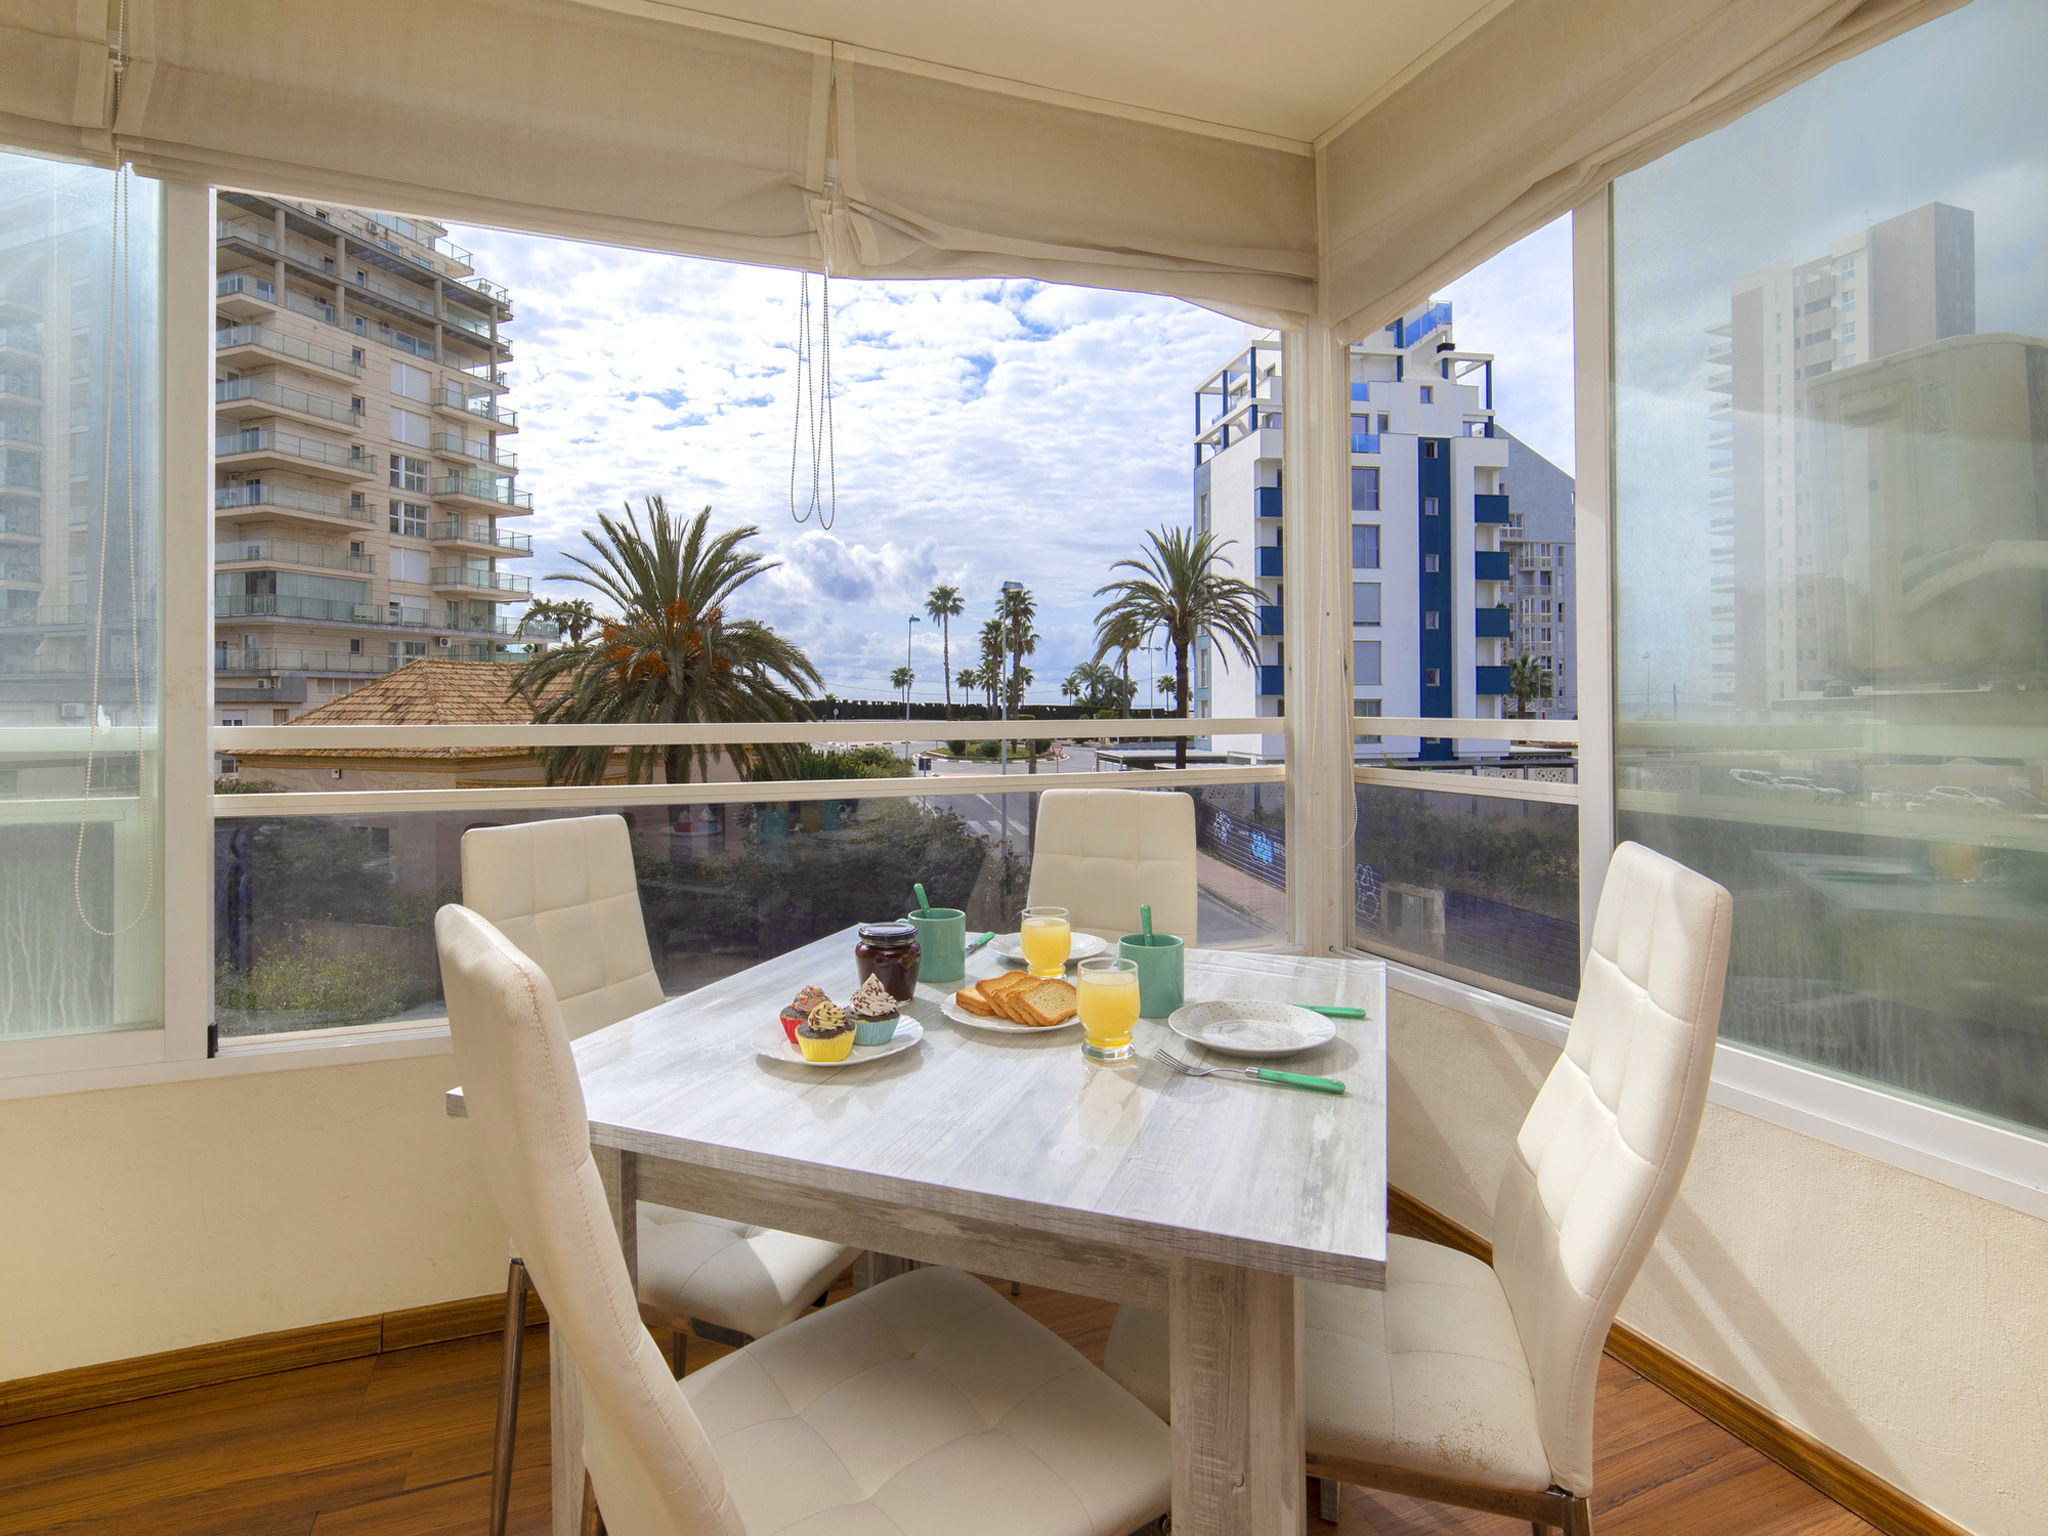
(753, 1280)
(1427, 1375)
(921, 1406)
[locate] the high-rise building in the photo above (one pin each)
(362, 493)
(1543, 602)
(1439, 567)
(1897, 285)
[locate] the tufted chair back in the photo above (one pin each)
(563, 892)
(1600, 1156)
(653, 1468)
(1100, 853)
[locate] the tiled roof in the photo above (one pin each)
(425, 691)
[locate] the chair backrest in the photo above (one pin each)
(563, 892)
(1600, 1157)
(654, 1470)
(1101, 852)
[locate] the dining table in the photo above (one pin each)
(1009, 1154)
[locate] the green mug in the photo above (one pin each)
(1161, 961)
(942, 942)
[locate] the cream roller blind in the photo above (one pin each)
(1539, 108)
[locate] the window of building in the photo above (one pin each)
(409, 427)
(1431, 564)
(1385, 423)
(409, 474)
(409, 382)
(1432, 677)
(1365, 663)
(1848, 300)
(409, 564)
(1202, 513)
(1428, 395)
(409, 518)
(356, 354)
(1432, 619)
(1365, 488)
(1429, 447)
(1371, 709)
(1432, 506)
(1365, 602)
(1365, 546)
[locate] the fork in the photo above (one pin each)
(1262, 1074)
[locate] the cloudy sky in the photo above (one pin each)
(986, 431)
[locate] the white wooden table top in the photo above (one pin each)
(1021, 1128)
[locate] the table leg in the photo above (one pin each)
(1235, 1353)
(621, 1174)
(873, 1268)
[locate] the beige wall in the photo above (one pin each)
(1900, 1321)
(146, 1219)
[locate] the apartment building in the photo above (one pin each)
(365, 503)
(1894, 286)
(1543, 600)
(1432, 562)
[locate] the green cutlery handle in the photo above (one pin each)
(1332, 1011)
(1298, 1080)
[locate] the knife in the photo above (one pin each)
(974, 944)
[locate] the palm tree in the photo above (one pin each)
(674, 655)
(1124, 633)
(571, 616)
(1528, 679)
(1178, 588)
(943, 605)
(1013, 694)
(1016, 608)
(900, 680)
(1090, 685)
(992, 654)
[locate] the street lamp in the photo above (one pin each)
(909, 630)
(1008, 586)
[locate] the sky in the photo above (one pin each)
(986, 431)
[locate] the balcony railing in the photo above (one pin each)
(1272, 682)
(286, 346)
(1268, 498)
(23, 386)
(475, 448)
(1270, 561)
(483, 533)
(1270, 619)
(244, 605)
(480, 329)
(480, 405)
(61, 616)
(483, 488)
(22, 525)
(290, 445)
(1365, 442)
(418, 303)
(1490, 623)
(264, 660)
(258, 494)
(481, 581)
(291, 552)
(20, 570)
(25, 430)
(246, 285)
(1492, 565)
(1490, 680)
(21, 338)
(313, 309)
(284, 397)
(247, 234)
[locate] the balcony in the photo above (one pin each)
(21, 385)
(1492, 565)
(318, 610)
(1270, 619)
(1270, 564)
(480, 449)
(1490, 623)
(22, 338)
(58, 616)
(241, 339)
(286, 501)
(1489, 681)
(261, 242)
(483, 536)
(245, 296)
(485, 406)
(20, 525)
(265, 448)
(463, 578)
(1272, 681)
(1267, 498)
(291, 552)
(21, 573)
(1365, 442)
(259, 660)
(24, 431)
(312, 308)
(482, 488)
(239, 399)
(1490, 508)
(405, 300)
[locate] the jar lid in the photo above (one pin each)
(888, 933)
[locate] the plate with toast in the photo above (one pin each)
(1014, 1003)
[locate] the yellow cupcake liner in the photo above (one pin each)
(837, 1048)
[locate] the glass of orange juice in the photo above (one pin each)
(1108, 989)
(1047, 940)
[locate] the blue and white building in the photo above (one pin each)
(1431, 568)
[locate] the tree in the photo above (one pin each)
(992, 656)
(943, 605)
(1528, 679)
(1177, 587)
(1017, 608)
(572, 616)
(900, 680)
(675, 654)
(1123, 634)
(1013, 688)
(969, 680)
(1092, 685)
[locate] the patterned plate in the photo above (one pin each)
(1240, 1026)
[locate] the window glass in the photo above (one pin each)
(1831, 601)
(1365, 488)
(409, 518)
(409, 474)
(1365, 602)
(78, 614)
(1365, 547)
(1365, 663)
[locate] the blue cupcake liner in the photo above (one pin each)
(876, 1031)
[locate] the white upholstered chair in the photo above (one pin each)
(563, 892)
(894, 1413)
(1100, 853)
(1473, 1384)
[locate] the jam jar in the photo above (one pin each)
(890, 951)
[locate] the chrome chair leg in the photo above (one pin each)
(510, 1362)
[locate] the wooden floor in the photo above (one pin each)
(400, 1445)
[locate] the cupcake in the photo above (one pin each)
(794, 1013)
(874, 1013)
(827, 1035)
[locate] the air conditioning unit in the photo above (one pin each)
(441, 641)
(70, 711)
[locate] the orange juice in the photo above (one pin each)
(1046, 939)
(1108, 998)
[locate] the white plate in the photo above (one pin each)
(998, 1026)
(1239, 1026)
(770, 1041)
(1010, 947)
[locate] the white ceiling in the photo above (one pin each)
(1286, 67)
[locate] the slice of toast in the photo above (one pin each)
(1046, 1003)
(998, 990)
(971, 999)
